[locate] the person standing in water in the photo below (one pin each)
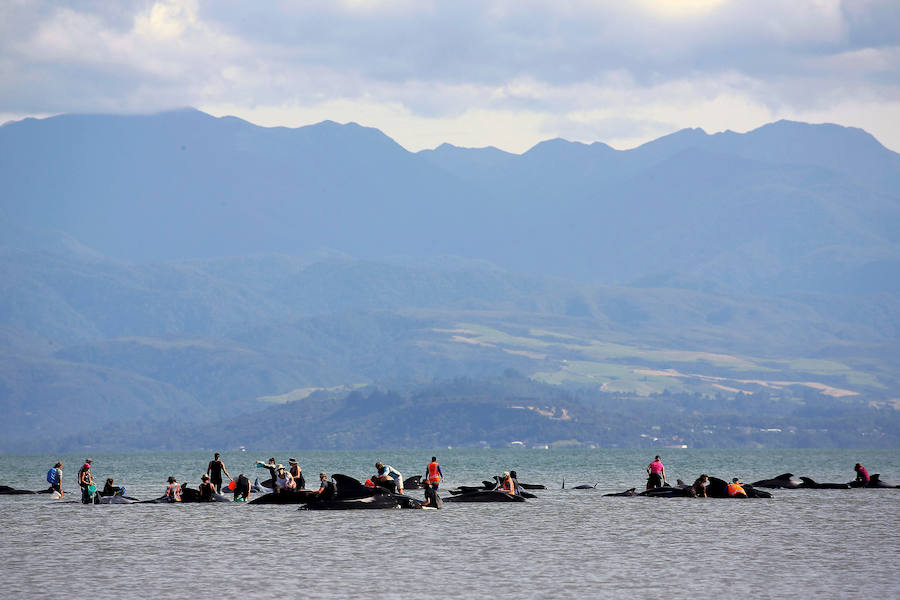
(54, 478)
(215, 469)
(433, 473)
(86, 481)
(656, 474)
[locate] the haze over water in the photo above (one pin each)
(564, 544)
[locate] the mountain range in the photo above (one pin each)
(181, 266)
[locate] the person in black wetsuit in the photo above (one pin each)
(214, 470)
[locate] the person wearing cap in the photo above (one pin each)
(297, 473)
(283, 480)
(506, 484)
(207, 489)
(86, 480)
(173, 490)
(326, 489)
(215, 469)
(386, 474)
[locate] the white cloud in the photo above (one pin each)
(473, 72)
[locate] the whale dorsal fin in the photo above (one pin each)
(785, 476)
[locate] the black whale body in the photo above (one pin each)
(285, 497)
(351, 494)
(630, 493)
(188, 496)
(785, 481)
(8, 491)
(485, 496)
(718, 488)
(814, 485)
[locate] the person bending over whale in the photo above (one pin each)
(242, 488)
(698, 490)
(735, 489)
(387, 472)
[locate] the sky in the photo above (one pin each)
(503, 73)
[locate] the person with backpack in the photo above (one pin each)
(54, 478)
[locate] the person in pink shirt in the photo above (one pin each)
(862, 476)
(657, 474)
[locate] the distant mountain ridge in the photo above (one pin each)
(184, 184)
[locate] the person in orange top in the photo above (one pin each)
(433, 473)
(735, 489)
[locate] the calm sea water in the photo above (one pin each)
(564, 544)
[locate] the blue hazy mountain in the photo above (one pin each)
(788, 205)
(183, 267)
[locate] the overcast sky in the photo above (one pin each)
(506, 73)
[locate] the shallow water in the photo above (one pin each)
(565, 543)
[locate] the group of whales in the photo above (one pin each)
(349, 493)
(787, 481)
(717, 488)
